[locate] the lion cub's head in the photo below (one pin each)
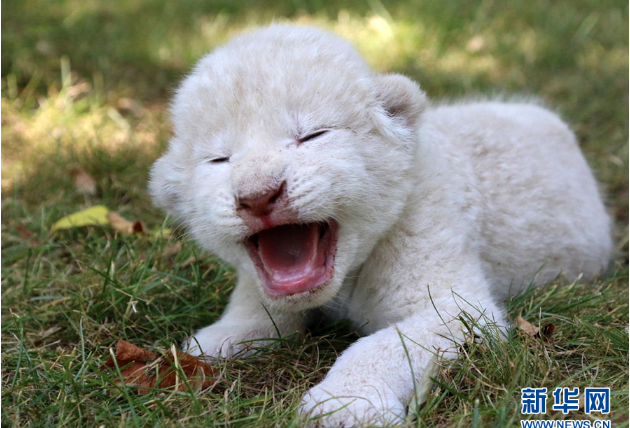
(289, 159)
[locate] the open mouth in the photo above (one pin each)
(294, 258)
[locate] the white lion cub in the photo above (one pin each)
(330, 186)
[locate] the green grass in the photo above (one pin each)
(87, 83)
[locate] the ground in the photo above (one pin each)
(86, 84)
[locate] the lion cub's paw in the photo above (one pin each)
(330, 405)
(226, 340)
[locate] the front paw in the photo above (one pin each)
(336, 404)
(226, 340)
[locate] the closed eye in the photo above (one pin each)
(312, 136)
(219, 160)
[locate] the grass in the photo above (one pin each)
(87, 83)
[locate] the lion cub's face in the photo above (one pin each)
(289, 159)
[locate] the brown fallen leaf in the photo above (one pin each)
(138, 227)
(547, 331)
(26, 234)
(83, 181)
(526, 327)
(119, 223)
(144, 369)
(124, 226)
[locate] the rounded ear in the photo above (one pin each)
(402, 99)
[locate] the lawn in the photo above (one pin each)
(86, 84)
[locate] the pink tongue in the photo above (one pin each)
(289, 251)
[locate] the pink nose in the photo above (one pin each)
(262, 205)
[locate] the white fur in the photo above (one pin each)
(443, 211)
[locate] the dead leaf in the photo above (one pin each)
(142, 368)
(547, 331)
(172, 249)
(100, 215)
(124, 226)
(138, 227)
(83, 181)
(119, 223)
(26, 234)
(95, 215)
(526, 327)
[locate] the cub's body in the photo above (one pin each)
(329, 186)
(503, 184)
